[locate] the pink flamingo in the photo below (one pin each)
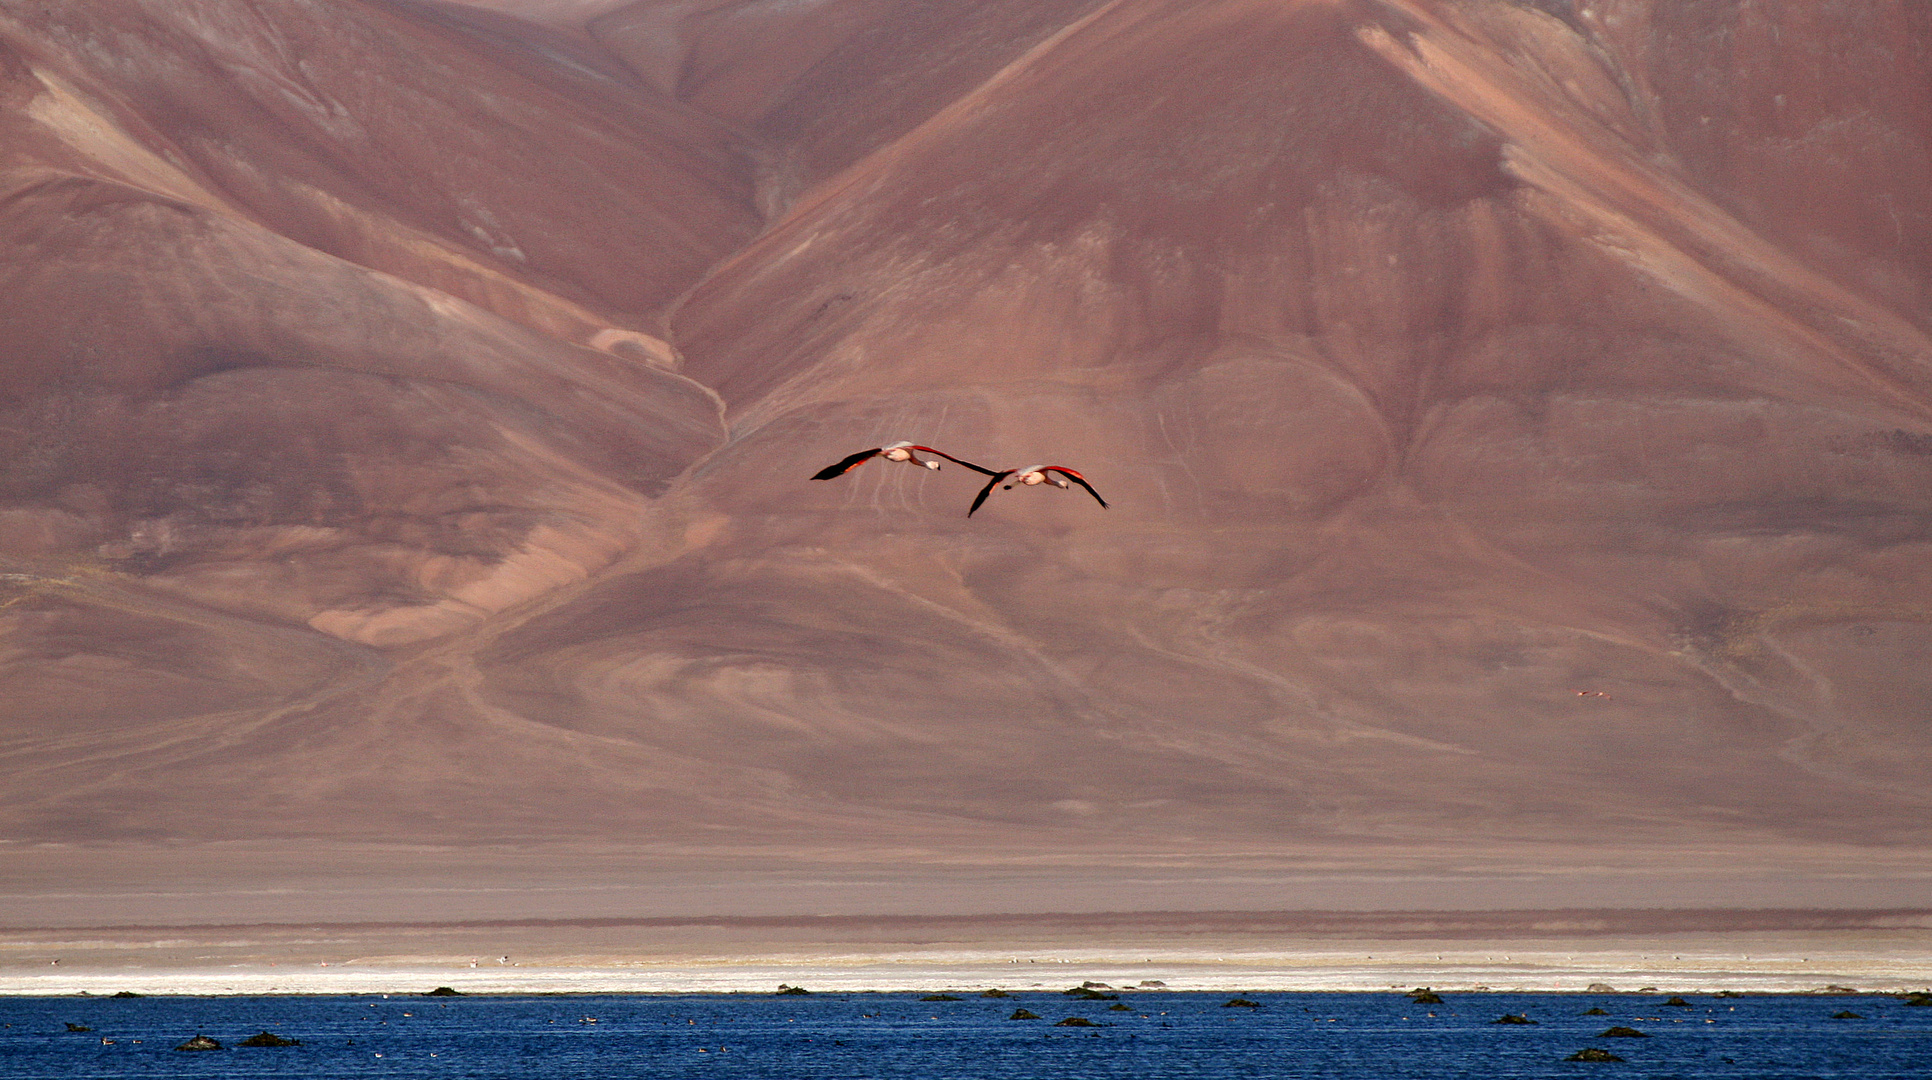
(1034, 476)
(899, 451)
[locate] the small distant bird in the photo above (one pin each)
(1034, 476)
(899, 451)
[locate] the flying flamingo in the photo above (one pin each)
(1034, 476)
(899, 451)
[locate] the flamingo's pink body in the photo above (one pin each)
(1033, 476)
(907, 452)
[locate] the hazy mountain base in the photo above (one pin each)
(257, 882)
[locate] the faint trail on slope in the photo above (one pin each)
(169, 743)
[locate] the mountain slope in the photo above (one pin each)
(1426, 397)
(1506, 438)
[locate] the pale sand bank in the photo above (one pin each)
(1626, 974)
(1566, 951)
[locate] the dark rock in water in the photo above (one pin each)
(1086, 993)
(940, 997)
(1678, 1002)
(1600, 988)
(1240, 1003)
(994, 993)
(1593, 1011)
(1621, 1032)
(71, 1026)
(1919, 997)
(784, 990)
(444, 991)
(1422, 995)
(1591, 1053)
(1076, 1021)
(1513, 1018)
(124, 994)
(268, 1038)
(1118, 1007)
(1091, 985)
(1022, 1014)
(1846, 1014)
(199, 1042)
(1729, 994)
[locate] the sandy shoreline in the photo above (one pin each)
(1191, 951)
(833, 977)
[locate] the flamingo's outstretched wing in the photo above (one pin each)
(848, 464)
(954, 460)
(1078, 479)
(988, 489)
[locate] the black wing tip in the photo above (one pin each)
(987, 490)
(1079, 479)
(845, 465)
(957, 461)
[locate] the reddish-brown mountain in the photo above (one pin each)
(1516, 419)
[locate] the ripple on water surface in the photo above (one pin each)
(903, 1035)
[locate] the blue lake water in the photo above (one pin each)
(836, 1035)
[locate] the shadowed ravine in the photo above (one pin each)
(1515, 420)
